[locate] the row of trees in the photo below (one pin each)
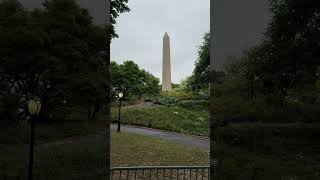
(55, 53)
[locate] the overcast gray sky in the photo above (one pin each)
(237, 25)
(96, 8)
(142, 29)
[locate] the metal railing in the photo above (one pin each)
(161, 173)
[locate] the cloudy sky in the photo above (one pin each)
(142, 29)
(96, 8)
(237, 25)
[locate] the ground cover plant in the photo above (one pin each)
(172, 118)
(260, 151)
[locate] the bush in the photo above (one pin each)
(194, 105)
(163, 100)
(264, 109)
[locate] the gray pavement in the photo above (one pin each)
(190, 140)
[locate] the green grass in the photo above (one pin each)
(19, 134)
(254, 151)
(83, 157)
(137, 150)
(58, 162)
(177, 119)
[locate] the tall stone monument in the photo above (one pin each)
(166, 66)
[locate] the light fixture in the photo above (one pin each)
(34, 107)
(120, 95)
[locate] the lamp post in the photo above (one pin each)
(120, 95)
(34, 108)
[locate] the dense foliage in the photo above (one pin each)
(263, 99)
(56, 54)
(132, 80)
(277, 80)
(199, 80)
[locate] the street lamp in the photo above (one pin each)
(120, 95)
(34, 107)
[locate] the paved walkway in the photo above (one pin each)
(190, 140)
(99, 137)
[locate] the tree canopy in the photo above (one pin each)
(199, 80)
(132, 80)
(55, 53)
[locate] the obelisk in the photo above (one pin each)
(166, 66)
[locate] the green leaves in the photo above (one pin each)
(54, 53)
(200, 77)
(132, 80)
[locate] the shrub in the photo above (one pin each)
(194, 105)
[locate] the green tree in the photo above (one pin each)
(117, 7)
(132, 80)
(200, 78)
(291, 57)
(55, 53)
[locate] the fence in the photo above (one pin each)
(128, 173)
(161, 173)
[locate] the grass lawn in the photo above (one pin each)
(137, 150)
(19, 134)
(174, 118)
(73, 150)
(268, 152)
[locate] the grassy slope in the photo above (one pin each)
(176, 119)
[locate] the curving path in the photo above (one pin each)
(190, 140)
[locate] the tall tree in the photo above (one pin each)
(200, 75)
(292, 44)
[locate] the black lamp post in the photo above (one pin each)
(34, 108)
(120, 95)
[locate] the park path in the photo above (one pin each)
(189, 140)
(100, 136)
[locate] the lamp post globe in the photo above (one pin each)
(34, 107)
(120, 95)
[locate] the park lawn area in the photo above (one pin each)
(138, 150)
(258, 151)
(20, 134)
(81, 152)
(171, 118)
